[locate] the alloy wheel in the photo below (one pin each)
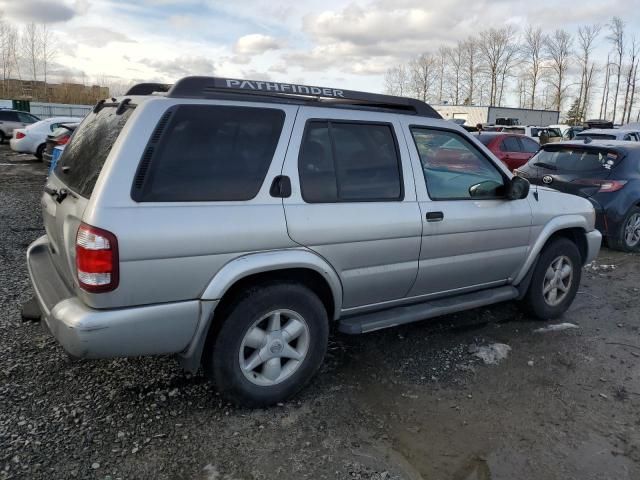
(557, 280)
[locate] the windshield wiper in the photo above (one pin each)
(545, 165)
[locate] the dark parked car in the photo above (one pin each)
(605, 172)
(512, 149)
(60, 136)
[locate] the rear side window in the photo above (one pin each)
(528, 145)
(576, 159)
(210, 153)
(85, 154)
(349, 162)
(8, 116)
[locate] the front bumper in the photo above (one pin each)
(90, 333)
(594, 240)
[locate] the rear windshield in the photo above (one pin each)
(485, 139)
(570, 159)
(84, 155)
(597, 136)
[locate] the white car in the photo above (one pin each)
(554, 134)
(32, 139)
(610, 134)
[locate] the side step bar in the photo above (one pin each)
(368, 322)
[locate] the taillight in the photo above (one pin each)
(20, 135)
(96, 259)
(604, 186)
(63, 140)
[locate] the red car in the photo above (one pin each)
(513, 149)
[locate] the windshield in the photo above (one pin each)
(86, 152)
(575, 159)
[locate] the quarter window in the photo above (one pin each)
(528, 145)
(213, 153)
(453, 168)
(349, 162)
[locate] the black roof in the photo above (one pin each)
(231, 88)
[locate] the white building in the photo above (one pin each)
(475, 114)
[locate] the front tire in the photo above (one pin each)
(271, 343)
(628, 238)
(555, 280)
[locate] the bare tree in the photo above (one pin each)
(633, 53)
(48, 51)
(442, 56)
(633, 92)
(456, 62)
(8, 39)
(423, 76)
(616, 37)
(586, 37)
(558, 48)
(496, 47)
(470, 67)
(396, 81)
(31, 48)
(605, 89)
(533, 56)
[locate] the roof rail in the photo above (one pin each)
(210, 87)
(148, 88)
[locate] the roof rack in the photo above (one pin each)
(148, 88)
(214, 87)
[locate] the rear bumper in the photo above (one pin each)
(17, 145)
(90, 333)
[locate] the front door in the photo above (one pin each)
(473, 237)
(353, 201)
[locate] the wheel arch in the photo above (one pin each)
(573, 227)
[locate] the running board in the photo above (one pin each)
(368, 322)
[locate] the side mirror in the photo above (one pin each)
(517, 188)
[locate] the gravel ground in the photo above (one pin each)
(416, 402)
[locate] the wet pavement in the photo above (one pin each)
(413, 402)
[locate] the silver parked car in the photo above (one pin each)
(230, 222)
(12, 119)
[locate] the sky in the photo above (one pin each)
(345, 44)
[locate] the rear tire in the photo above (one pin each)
(555, 280)
(627, 239)
(40, 151)
(271, 343)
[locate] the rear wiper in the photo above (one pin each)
(58, 194)
(545, 165)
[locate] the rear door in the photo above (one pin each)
(353, 201)
(512, 154)
(9, 121)
(77, 172)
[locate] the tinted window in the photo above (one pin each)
(510, 144)
(26, 118)
(515, 130)
(213, 153)
(455, 169)
(572, 159)
(528, 145)
(8, 116)
(349, 162)
(86, 152)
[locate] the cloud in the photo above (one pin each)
(40, 11)
(255, 44)
(99, 36)
(180, 67)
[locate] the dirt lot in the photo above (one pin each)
(406, 403)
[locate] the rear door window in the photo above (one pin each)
(576, 159)
(8, 116)
(211, 153)
(343, 161)
(85, 154)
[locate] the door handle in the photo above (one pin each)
(434, 216)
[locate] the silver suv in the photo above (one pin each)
(232, 222)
